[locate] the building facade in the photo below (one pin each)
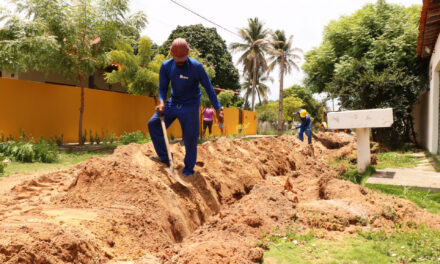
(426, 112)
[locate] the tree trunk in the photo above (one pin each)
(254, 82)
(246, 100)
(413, 132)
(280, 101)
(81, 111)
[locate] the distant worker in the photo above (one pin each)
(185, 74)
(208, 119)
(305, 126)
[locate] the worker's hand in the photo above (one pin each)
(160, 108)
(220, 115)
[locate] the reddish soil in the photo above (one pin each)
(125, 207)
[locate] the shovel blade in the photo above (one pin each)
(176, 176)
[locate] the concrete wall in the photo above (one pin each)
(47, 110)
(433, 101)
(420, 115)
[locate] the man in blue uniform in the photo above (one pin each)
(305, 126)
(185, 74)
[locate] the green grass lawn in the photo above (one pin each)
(65, 160)
(424, 199)
(402, 246)
(342, 250)
(396, 160)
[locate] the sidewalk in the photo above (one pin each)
(423, 176)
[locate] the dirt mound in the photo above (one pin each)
(126, 207)
(45, 243)
(333, 142)
(231, 235)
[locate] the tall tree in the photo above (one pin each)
(136, 72)
(70, 38)
(262, 88)
(368, 60)
(286, 57)
(254, 47)
(313, 107)
(211, 47)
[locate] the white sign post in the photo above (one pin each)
(362, 121)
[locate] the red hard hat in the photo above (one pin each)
(179, 49)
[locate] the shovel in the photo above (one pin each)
(171, 169)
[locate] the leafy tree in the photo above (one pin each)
(254, 47)
(66, 37)
(212, 48)
(137, 73)
(283, 55)
(368, 60)
(312, 106)
(269, 111)
(226, 98)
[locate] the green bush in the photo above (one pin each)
(112, 138)
(28, 151)
(59, 140)
(133, 137)
(97, 138)
(84, 136)
(2, 164)
(91, 138)
(5, 147)
(23, 152)
(46, 151)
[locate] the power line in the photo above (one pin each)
(210, 21)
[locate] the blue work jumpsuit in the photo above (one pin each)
(305, 126)
(184, 105)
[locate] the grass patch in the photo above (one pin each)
(65, 160)
(396, 160)
(358, 178)
(407, 245)
(421, 245)
(435, 160)
(343, 250)
(424, 199)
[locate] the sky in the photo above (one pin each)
(304, 19)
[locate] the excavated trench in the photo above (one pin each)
(125, 207)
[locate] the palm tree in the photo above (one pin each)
(262, 88)
(286, 57)
(254, 47)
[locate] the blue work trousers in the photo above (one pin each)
(188, 116)
(308, 132)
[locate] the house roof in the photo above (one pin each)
(219, 90)
(429, 27)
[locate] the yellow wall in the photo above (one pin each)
(250, 122)
(48, 110)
